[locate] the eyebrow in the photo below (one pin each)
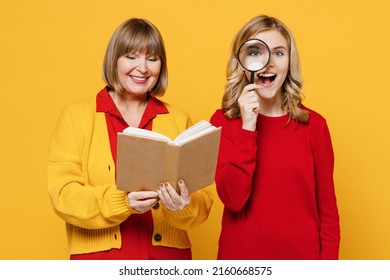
(279, 47)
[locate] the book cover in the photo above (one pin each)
(144, 159)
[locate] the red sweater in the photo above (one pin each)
(277, 188)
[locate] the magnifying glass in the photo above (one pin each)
(253, 55)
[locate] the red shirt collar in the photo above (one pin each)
(105, 104)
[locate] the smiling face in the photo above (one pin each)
(138, 73)
(135, 60)
(272, 77)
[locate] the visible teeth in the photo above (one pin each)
(266, 75)
(139, 78)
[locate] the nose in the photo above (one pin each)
(142, 66)
(270, 62)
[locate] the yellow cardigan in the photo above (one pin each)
(81, 183)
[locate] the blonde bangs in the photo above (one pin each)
(144, 43)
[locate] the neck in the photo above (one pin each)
(271, 107)
(131, 107)
(128, 99)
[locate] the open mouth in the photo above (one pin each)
(266, 78)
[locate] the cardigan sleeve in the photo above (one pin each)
(73, 199)
(194, 213)
(236, 162)
(326, 199)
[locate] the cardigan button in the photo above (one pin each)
(157, 237)
(156, 206)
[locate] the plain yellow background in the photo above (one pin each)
(52, 52)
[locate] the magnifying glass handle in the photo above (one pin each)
(252, 77)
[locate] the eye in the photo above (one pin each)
(152, 58)
(130, 56)
(279, 53)
(254, 53)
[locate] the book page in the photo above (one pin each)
(193, 132)
(146, 134)
(190, 137)
(201, 128)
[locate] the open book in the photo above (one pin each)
(146, 158)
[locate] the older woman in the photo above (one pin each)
(101, 221)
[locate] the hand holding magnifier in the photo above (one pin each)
(253, 55)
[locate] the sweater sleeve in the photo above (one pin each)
(194, 213)
(73, 199)
(236, 163)
(326, 199)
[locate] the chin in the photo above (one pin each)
(267, 95)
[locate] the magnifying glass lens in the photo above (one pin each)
(253, 55)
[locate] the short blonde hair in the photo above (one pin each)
(135, 35)
(237, 80)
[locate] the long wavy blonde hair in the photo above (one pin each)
(236, 79)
